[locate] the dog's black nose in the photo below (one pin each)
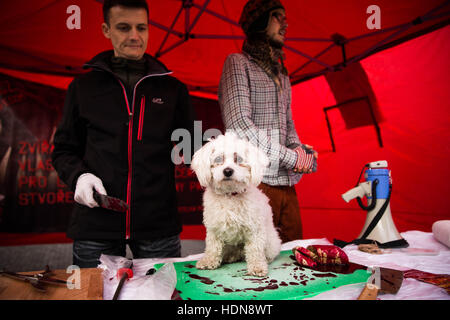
(228, 172)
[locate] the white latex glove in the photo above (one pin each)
(84, 193)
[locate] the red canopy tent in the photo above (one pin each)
(407, 85)
(194, 37)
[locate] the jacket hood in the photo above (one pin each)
(102, 59)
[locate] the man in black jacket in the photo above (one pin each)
(115, 137)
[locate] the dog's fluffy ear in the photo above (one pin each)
(258, 162)
(201, 163)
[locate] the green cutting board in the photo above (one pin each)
(286, 280)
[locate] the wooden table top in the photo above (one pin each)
(90, 287)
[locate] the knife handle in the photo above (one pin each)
(97, 197)
(370, 292)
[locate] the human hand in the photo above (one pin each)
(314, 152)
(306, 159)
(84, 193)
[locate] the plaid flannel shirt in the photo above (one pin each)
(255, 108)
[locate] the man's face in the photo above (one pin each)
(128, 31)
(276, 30)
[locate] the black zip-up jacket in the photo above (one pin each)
(125, 140)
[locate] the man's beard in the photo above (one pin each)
(275, 44)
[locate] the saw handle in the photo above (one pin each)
(370, 292)
(123, 274)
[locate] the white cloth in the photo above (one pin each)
(411, 289)
(441, 231)
(141, 286)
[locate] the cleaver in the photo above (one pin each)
(390, 282)
(110, 203)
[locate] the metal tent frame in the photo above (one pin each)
(335, 40)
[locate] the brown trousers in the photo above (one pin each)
(286, 211)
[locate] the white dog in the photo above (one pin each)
(237, 215)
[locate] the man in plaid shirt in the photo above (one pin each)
(255, 101)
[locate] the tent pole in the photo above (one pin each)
(375, 33)
(330, 132)
(344, 57)
(187, 4)
(198, 16)
(162, 27)
(442, 5)
(404, 27)
(316, 56)
(347, 102)
(217, 15)
(308, 39)
(159, 54)
(170, 29)
(309, 57)
(216, 36)
(379, 44)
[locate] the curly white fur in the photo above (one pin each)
(237, 215)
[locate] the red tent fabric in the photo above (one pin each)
(407, 85)
(411, 85)
(36, 35)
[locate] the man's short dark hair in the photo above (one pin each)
(108, 4)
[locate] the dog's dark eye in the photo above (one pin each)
(218, 159)
(238, 159)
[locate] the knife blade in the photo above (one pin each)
(110, 203)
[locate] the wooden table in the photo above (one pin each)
(91, 287)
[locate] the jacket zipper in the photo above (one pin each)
(141, 118)
(130, 147)
(130, 141)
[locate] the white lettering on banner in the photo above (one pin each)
(74, 20)
(373, 21)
